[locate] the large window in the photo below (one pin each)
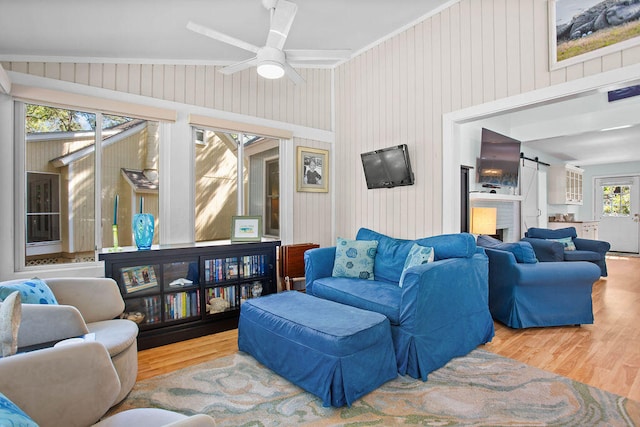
(61, 167)
(130, 173)
(217, 182)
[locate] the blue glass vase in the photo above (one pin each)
(143, 230)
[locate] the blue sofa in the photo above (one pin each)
(546, 250)
(524, 293)
(438, 310)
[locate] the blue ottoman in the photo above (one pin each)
(335, 351)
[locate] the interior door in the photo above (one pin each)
(533, 188)
(272, 202)
(617, 207)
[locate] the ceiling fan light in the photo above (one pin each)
(270, 69)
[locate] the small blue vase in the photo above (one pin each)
(143, 230)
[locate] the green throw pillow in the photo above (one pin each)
(11, 415)
(567, 242)
(418, 255)
(355, 258)
(32, 291)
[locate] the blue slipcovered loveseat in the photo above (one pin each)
(438, 310)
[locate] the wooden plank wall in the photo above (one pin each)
(474, 52)
(312, 211)
(243, 93)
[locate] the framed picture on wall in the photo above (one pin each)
(246, 228)
(312, 172)
(587, 29)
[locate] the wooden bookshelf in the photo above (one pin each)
(180, 292)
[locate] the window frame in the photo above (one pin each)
(20, 187)
(618, 207)
(199, 138)
(175, 120)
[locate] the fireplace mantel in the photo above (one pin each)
(495, 197)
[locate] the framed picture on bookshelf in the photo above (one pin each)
(139, 278)
(246, 228)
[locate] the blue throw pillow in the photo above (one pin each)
(11, 415)
(418, 255)
(32, 291)
(355, 258)
(567, 243)
(523, 251)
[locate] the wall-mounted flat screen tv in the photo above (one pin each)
(388, 167)
(499, 162)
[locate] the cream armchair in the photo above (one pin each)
(73, 386)
(86, 305)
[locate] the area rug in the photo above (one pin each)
(480, 389)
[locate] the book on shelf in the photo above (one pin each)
(222, 293)
(221, 269)
(181, 305)
(231, 268)
(180, 283)
(253, 265)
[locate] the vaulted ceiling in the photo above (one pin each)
(141, 31)
(155, 31)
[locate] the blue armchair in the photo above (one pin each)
(547, 250)
(524, 293)
(437, 310)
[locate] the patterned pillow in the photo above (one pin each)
(11, 415)
(567, 242)
(355, 258)
(418, 255)
(32, 291)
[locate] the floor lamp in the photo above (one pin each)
(483, 220)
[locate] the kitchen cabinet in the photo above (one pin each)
(584, 229)
(565, 185)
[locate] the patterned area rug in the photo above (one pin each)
(480, 389)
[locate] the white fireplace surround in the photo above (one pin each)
(508, 212)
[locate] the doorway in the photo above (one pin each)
(272, 197)
(533, 188)
(617, 207)
(456, 145)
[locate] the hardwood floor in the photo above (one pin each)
(605, 355)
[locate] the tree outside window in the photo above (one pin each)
(616, 200)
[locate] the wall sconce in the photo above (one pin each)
(483, 220)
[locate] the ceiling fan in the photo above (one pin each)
(271, 60)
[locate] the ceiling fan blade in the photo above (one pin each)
(239, 66)
(292, 74)
(281, 20)
(317, 55)
(216, 35)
